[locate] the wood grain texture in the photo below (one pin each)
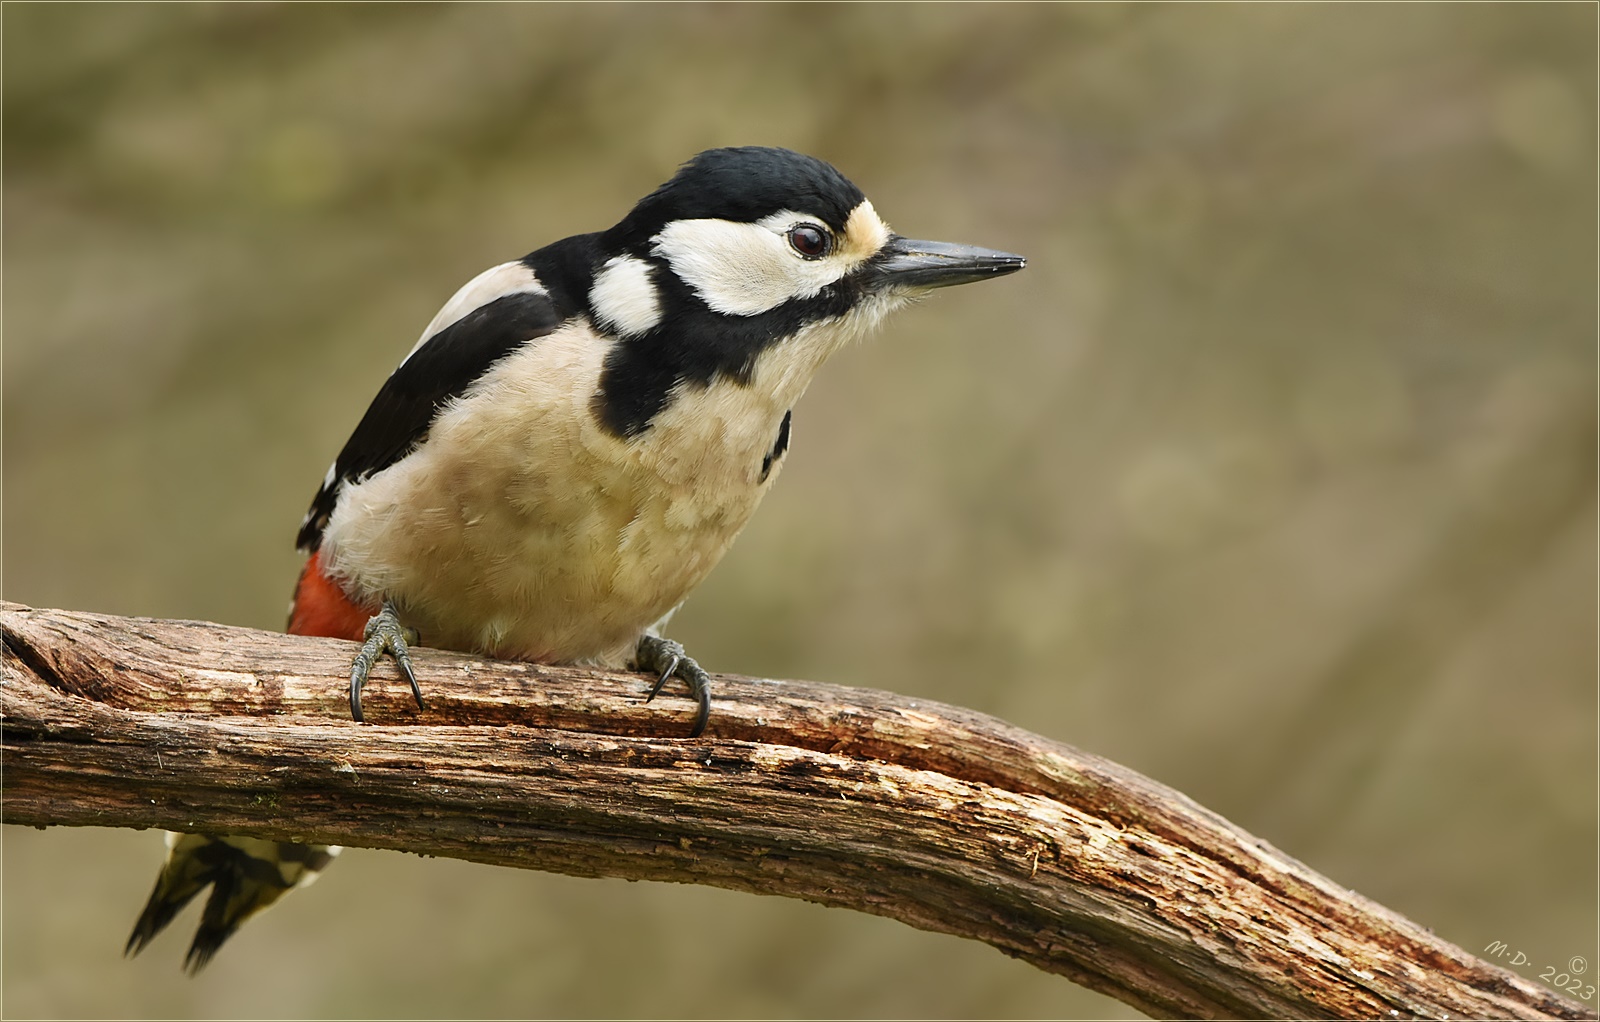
(940, 817)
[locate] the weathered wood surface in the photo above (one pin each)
(943, 818)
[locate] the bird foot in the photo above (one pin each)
(384, 634)
(666, 659)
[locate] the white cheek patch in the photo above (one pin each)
(736, 269)
(494, 283)
(746, 269)
(624, 297)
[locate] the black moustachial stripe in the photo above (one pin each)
(692, 344)
(695, 345)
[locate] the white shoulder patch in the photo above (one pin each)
(624, 297)
(496, 282)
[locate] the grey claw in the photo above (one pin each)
(702, 715)
(402, 656)
(666, 659)
(666, 672)
(384, 634)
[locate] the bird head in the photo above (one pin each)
(755, 256)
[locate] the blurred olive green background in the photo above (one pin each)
(1272, 477)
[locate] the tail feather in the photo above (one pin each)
(246, 875)
(234, 898)
(180, 879)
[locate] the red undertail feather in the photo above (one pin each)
(322, 608)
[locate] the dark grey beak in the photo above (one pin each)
(920, 265)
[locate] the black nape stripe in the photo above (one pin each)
(694, 345)
(778, 447)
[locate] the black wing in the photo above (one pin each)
(440, 369)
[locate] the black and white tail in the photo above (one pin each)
(245, 874)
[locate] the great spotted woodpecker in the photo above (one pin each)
(573, 444)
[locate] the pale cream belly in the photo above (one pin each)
(523, 530)
(579, 581)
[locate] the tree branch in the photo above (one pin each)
(937, 816)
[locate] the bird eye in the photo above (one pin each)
(809, 240)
